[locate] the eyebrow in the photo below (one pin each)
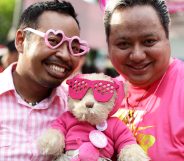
(127, 38)
(150, 35)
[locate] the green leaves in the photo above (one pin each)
(6, 15)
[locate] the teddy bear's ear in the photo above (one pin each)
(119, 97)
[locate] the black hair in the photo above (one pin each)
(29, 17)
(11, 46)
(158, 5)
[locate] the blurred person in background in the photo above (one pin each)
(89, 65)
(3, 50)
(31, 94)
(11, 55)
(137, 34)
(1, 67)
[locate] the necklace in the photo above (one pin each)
(28, 102)
(31, 103)
(127, 98)
(132, 115)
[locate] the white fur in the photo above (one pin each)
(100, 110)
(52, 142)
(133, 152)
(94, 115)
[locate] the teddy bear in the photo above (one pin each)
(88, 131)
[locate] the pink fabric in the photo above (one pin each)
(161, 133)
(87, 151)
(175, 6)
(76, 132)
(21, 124)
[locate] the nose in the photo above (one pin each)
(89, 104)
(63, 51)
(138, 54)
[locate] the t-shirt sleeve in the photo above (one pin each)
(60, 123)
(122, 135)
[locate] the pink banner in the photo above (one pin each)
(175, 6)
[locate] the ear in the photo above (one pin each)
(19, 40)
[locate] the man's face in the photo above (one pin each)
(49, 67)
(137, 44)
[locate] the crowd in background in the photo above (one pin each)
(8, 54)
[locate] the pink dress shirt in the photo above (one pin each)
(21, 124)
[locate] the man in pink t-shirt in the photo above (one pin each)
(137, 34)
(157, 122)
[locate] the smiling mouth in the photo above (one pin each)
(56, 71)
(139, 67)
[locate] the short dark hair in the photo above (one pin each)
(29, 17)
(11, 46)
(158, 5)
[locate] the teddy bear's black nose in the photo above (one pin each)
(89, 104)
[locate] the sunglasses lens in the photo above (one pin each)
(77, 88)
(103, 92)
(54, 39)
(75, 45)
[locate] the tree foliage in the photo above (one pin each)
(6, 16)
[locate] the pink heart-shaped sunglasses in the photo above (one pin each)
(53, 39)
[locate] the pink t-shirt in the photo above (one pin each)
(75, 131)
(161, 131)
(22, 124)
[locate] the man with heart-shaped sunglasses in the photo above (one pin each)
(31, 95)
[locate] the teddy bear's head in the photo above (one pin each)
(93, 97)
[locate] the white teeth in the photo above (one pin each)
(57, 68)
